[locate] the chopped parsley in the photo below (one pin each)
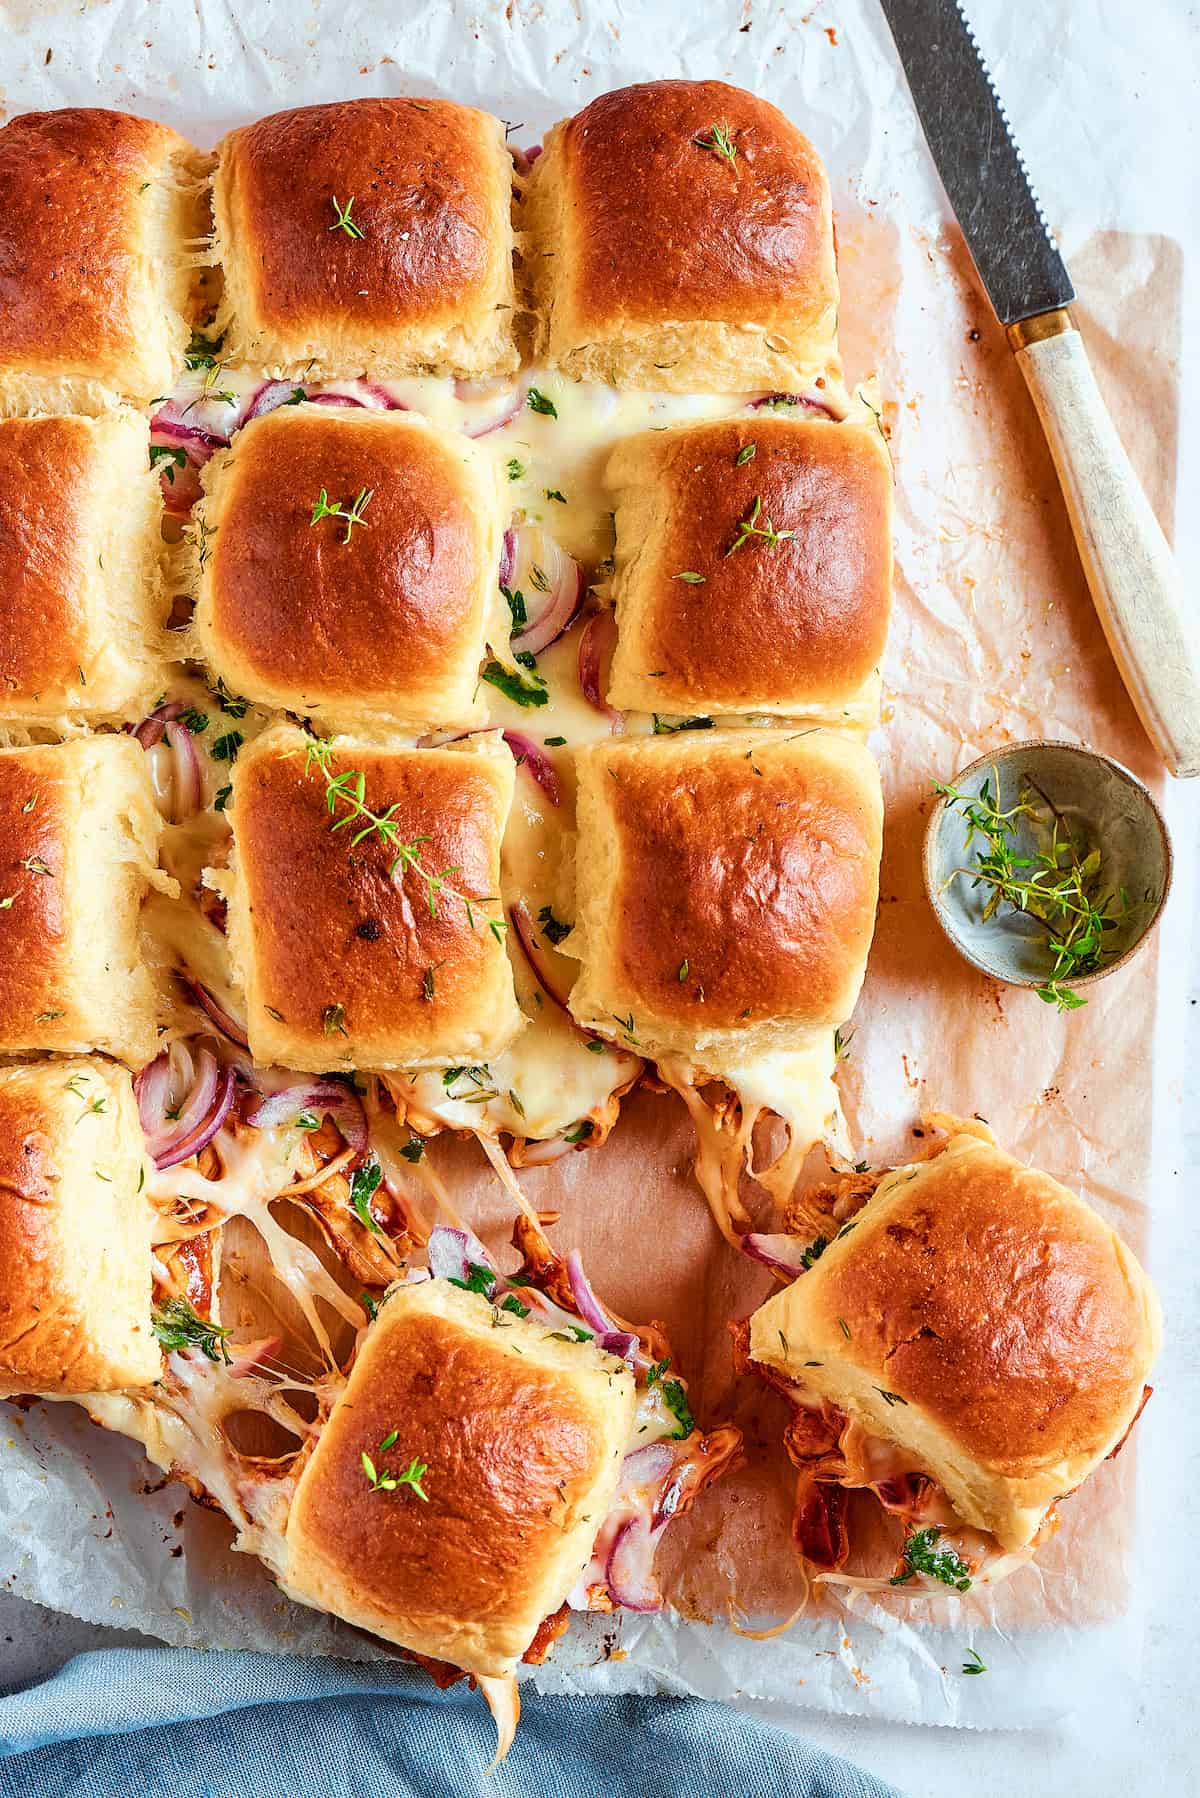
(414, 1149)
(553, 929)
(921, 1554)
(674, 1397)
(515, 469)
(536, 400)
(516, 605)
(520, 688)
(226, 747)
(973, 1664)
(229, 702)
(479, 1279)
(174, 458)
(364, 1181)
(746, 454)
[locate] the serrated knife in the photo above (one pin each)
(1154, 634)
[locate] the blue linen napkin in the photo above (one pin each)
(176, 1723)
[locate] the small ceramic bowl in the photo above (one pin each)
(1108, 807)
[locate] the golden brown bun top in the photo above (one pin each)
(396, 603)
(329, 923)
(751, 857)
(997, 1301)
(44, 469)
(665, 229)
(805, 615)
(423, 175)
(70, 228)
(521, 1440)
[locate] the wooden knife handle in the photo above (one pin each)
(1153, 632)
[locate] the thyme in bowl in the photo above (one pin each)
(1035, 864)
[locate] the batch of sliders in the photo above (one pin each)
(443, 589)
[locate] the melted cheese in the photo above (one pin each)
(795, 1085)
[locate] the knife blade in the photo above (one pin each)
(1153, 631)
(982, 170)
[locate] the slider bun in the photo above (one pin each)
(750, 856)
(79, 839)
(387, 629)
(795, 627)
(75, 1275)
(427, 288)
(342, 964)
(81, 593)
(654, 263)
(1012, 1322)
(522, 1436)
(102, 214)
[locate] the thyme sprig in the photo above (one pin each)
(751, 531)
(1057, 882)
(350, 516)
(178, 1326)
(383, 1479)
(342, 220)
(720, 142)
(348, 790)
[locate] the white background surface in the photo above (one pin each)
(1144, 1738)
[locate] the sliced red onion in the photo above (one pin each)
(614, 1341)
(336, 399)
(647, 1466)
(153, 1089)
(451, 1251)
(595, 646)
(548, 579)
(176, 430)
(782, 1253)
(809, 401)
(225, 1022)
(329, 1098)
(201, 1113)
(180, 487)
(507, 551)
(535, 955)
(488, 405)
(533, 758)
(629, 1573)
(150, 730)
(269, 397)
(386, 399)
(188, 795)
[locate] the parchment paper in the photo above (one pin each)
(994, 639)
